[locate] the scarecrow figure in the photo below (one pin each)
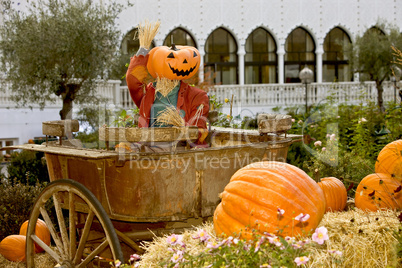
(168, 101)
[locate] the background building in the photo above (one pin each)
(259, 41)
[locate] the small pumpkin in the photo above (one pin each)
(389, 160)
(378, 191)
(41, 231)
(266, 197)
(12, 247)
(335, 193)
(174, 63)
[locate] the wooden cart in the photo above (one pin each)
(100, 202)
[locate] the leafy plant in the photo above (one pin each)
(127, 119)
(16, 201)
(28, 167)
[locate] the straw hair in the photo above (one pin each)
(165, 86)
(170, 116)
(146, 33)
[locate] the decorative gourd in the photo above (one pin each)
(259, 193)
(41, 231)
(389, 160)
(378, 191)
(13, 247)
(175, 63)
(335, 193)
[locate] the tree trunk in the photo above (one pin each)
(380, 91)
(67, 110)
(68, 95)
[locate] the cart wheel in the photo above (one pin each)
(70, 249)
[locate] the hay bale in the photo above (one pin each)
(42, 260)
(364, 238)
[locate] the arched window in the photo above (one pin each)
(221, 57)
(131, 44)
(335, 65)
(260, 59)
(179, 36)
(300, 50)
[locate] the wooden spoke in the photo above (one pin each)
(62, 224)
(72, 226)
(50, 251)
(84, 237)
(52, 230)
(94, 253)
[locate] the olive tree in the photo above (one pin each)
(371, 55)
(58, 48)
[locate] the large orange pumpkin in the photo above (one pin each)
(41, 231)
(13, 247)
(378, 191)
(335, 193)
(259, 193)
(174, 63)
(389, 160)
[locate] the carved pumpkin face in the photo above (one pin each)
(175, 63)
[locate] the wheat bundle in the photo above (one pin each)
(146, 33)
(170, 116)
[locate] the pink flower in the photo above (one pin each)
(281, 212)
(174, 239)
(302, 217)
(335, 252)
(213, 245)
(320, 235)
(135, 257)
(296, 245)
(301, 260)
(275, 240)
(290, 239)
(324, 149)
(332, 137)
(317, 143)
(178, 256)
(293, 120)
(259, 243)
(202, 235)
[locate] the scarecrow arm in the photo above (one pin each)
(136, 74)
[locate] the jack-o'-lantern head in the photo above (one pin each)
(175, 63)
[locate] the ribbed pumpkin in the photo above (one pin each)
(378, 191)
(389, 160)
(174, 63)
(13, 247)
(255, 194)
(335, 193)
(41, 231)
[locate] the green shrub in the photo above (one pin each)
(28, 167)
(16, 202)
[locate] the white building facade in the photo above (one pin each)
(245, 45)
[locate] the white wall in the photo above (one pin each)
(21, 125)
